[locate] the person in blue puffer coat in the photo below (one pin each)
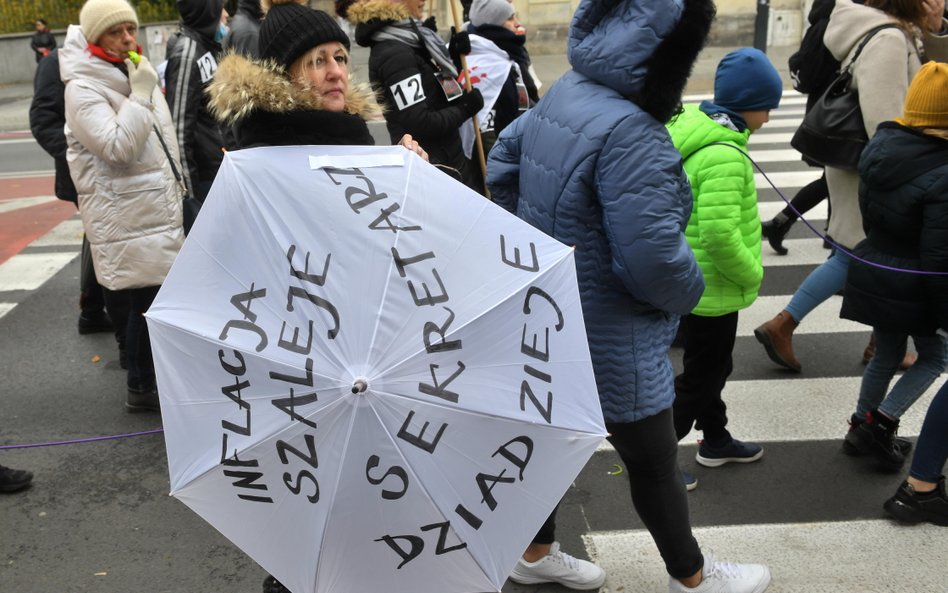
(593, 165)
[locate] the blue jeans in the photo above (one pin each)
(931, 451)
(826, 280)
(890, 350)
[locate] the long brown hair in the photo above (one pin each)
(908, 11)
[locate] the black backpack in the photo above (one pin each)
(813, 67)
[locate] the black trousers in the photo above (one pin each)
(708, 362)
(649, 451)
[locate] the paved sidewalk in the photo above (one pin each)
(15, 98)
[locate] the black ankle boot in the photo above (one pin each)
(876, 437)
(852, 444)
(775, 230)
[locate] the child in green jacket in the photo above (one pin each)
(724, 233)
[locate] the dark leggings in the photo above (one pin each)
(809, 196)
(649, 450)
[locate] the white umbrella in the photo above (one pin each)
(371, 379)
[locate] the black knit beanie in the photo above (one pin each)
(290, 29)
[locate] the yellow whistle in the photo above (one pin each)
(135, 57)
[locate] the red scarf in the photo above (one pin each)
(99, 52)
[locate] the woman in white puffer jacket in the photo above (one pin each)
(129, 200)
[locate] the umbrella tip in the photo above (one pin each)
(359, 386)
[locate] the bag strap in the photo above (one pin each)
(174, 169)
(872, 32)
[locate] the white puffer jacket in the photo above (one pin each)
(129, 200)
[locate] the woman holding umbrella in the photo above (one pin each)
(299, 92)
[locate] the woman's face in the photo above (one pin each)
(325, 69)
(513, 23)
(415, 7)
(119, 39)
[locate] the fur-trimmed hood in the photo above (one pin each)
(368, 16)
(381, 10)
(242, 86)
(642, 50)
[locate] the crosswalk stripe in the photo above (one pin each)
(6, 308)
(67, 233)
(822, 320)
(803, 557)
(29, 271)
(20, 203)
(786, 179)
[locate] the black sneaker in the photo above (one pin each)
(93, 322)
(271, 585)
(689, 480)
(909, 506)
(734, 451)
(142, 401)
(14, 480)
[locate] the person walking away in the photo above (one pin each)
(129, 202)
(244, 28)
(494, 41)
(593, 166)
(922, 497)
(417, 78)
(297, 93)
(903, 197)
(42, 42)
(47, 119)
(881, 76)
(724, 233)
(812, 68)
(193, 53)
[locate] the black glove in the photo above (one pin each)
(430, 23)
(458, 45)
(472, 101)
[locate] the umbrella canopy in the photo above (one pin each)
(371, 378)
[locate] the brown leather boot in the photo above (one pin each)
(777, 337)
(870, 351)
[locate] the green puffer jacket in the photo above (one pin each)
(724, 228)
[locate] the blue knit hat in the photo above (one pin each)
(747, 81)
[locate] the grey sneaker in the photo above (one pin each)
(726, 577)
(559, 567)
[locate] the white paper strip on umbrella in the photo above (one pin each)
(460, 327)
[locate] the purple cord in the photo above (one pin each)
(88, 440)
(821, 235)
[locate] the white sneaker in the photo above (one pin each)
(726, 577)
(559, 567)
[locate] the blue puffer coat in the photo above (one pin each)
(593, 169)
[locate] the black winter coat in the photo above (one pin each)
(42, 39)
(507, 106)
(421, 109)
(903, 196)
(47, 118)
(192, 62)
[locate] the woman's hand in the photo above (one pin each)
(416, 148)
(934, 15)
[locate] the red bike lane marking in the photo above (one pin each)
(20, 227)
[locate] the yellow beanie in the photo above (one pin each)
(98, 16)
(926, 103)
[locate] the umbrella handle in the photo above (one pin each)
(359, 386)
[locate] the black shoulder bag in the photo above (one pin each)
(832, 132)
(190, 206)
